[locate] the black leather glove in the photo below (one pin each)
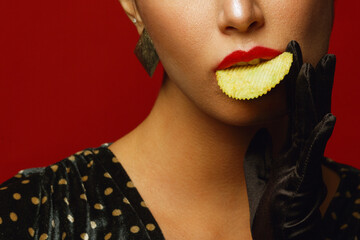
(285, 192)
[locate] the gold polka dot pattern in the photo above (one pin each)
(70, 218)
(107, 175)
(112, 198)
(90, 163)
(125, 200)
(108, 191)
(72, 174)
(143, 204)
(31, 232)
(150, 227)
(17, 196)
(107, 236)
(116, 212)
(62, 181)
(348, 194)
(356, 215)
(134, 229)
(87, 152)
(25, 181)
(98, 206)
(84, 236)
(83, 196)
(93, 224)
(54, 168)
(43, 236)
(13, 217)
(344, 226)
(130, 184)
(35, 200)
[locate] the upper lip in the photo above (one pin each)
(243, 56)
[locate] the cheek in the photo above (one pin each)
(180, 34)
(307, 21)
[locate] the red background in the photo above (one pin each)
(69, 80)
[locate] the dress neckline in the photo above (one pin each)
(120, 176)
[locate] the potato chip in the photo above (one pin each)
(252, 81)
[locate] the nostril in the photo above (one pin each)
(229, 28)
(252, 25)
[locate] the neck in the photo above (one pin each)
(188, 151)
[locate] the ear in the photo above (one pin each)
(132, 12)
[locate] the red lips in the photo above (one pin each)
(242, 56)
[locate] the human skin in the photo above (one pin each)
(186, 158)
(192, 37)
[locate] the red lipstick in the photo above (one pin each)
(242, 56)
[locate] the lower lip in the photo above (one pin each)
(254, 53)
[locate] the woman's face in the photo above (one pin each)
(193, 36)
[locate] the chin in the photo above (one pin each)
(255, 118)
(268, 108)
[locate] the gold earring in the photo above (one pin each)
(146, 53)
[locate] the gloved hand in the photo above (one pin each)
(285, 192)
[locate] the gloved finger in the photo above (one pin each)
(290, 81)
(309, 165)
(325, 71)
(257, 165)
(304, 118)
(294, 48)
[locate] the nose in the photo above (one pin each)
(241, 16)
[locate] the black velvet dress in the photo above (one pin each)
(90, 196)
